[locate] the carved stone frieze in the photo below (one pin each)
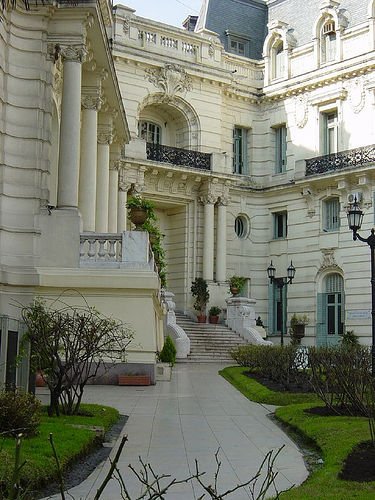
(171, 79)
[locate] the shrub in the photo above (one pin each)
(19, 413)
(168, 353)
(284, 365)
(341, 377)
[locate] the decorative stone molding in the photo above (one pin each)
(301, 110)
(307, 193)
(356, 94)
(126, 25)
(171, 79)
(328, 259)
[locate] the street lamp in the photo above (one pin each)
(280, 283)
(355, 218)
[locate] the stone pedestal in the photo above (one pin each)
(241, 319)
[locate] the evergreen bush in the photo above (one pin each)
(168, 353)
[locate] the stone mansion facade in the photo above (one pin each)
(251, 130)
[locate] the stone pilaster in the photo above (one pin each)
(208, 236)
(221, 239)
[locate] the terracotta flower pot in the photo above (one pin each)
(213, 320)
(234, 290)
(201, 318)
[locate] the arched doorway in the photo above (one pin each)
(330, 310)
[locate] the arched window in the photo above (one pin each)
(150, 132)
(328, 41)
(278, 60)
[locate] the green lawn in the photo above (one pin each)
(334, 436)
(73, 436)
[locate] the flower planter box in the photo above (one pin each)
(134, 380)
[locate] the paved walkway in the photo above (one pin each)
(173, 423)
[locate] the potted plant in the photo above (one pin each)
(199, 290)
(140, 210)
(166, 358)
(236, 283)
(213, 315)
(297, 326)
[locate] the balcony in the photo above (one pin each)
(178, 156)
(130, 250)
(343, 160)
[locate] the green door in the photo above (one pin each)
(330, 311)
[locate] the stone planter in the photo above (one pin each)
(299, 331)
(138, 217)
(163, 371)
(134, 380)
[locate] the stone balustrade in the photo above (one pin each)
(129, 250)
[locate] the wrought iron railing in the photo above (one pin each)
(178, 156)
(339, 161)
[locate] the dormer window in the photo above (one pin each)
(278, 60)
(328, 42)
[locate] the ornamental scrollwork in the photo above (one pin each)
(171, 79)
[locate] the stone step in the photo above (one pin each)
(209, 342)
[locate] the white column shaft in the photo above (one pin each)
(113, 200)
(208, 242)
(121, 213)
(102, 187)
(87, 177)
(221, 243)
(67, 193)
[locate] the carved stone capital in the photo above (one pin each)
(208, 199)
(91, 102)
(105, 138)
(223, 201)
(73, 53)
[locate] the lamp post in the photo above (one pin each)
(280, 283)
(355, 218)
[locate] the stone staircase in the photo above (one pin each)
(208, 343)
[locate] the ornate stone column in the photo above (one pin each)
(208, 237)
(113, 197)
(221, 239)
(69, 153)
(102, 180)
(87, 178)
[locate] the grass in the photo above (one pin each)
(73, 436)
(257, 392)
(334, 436)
